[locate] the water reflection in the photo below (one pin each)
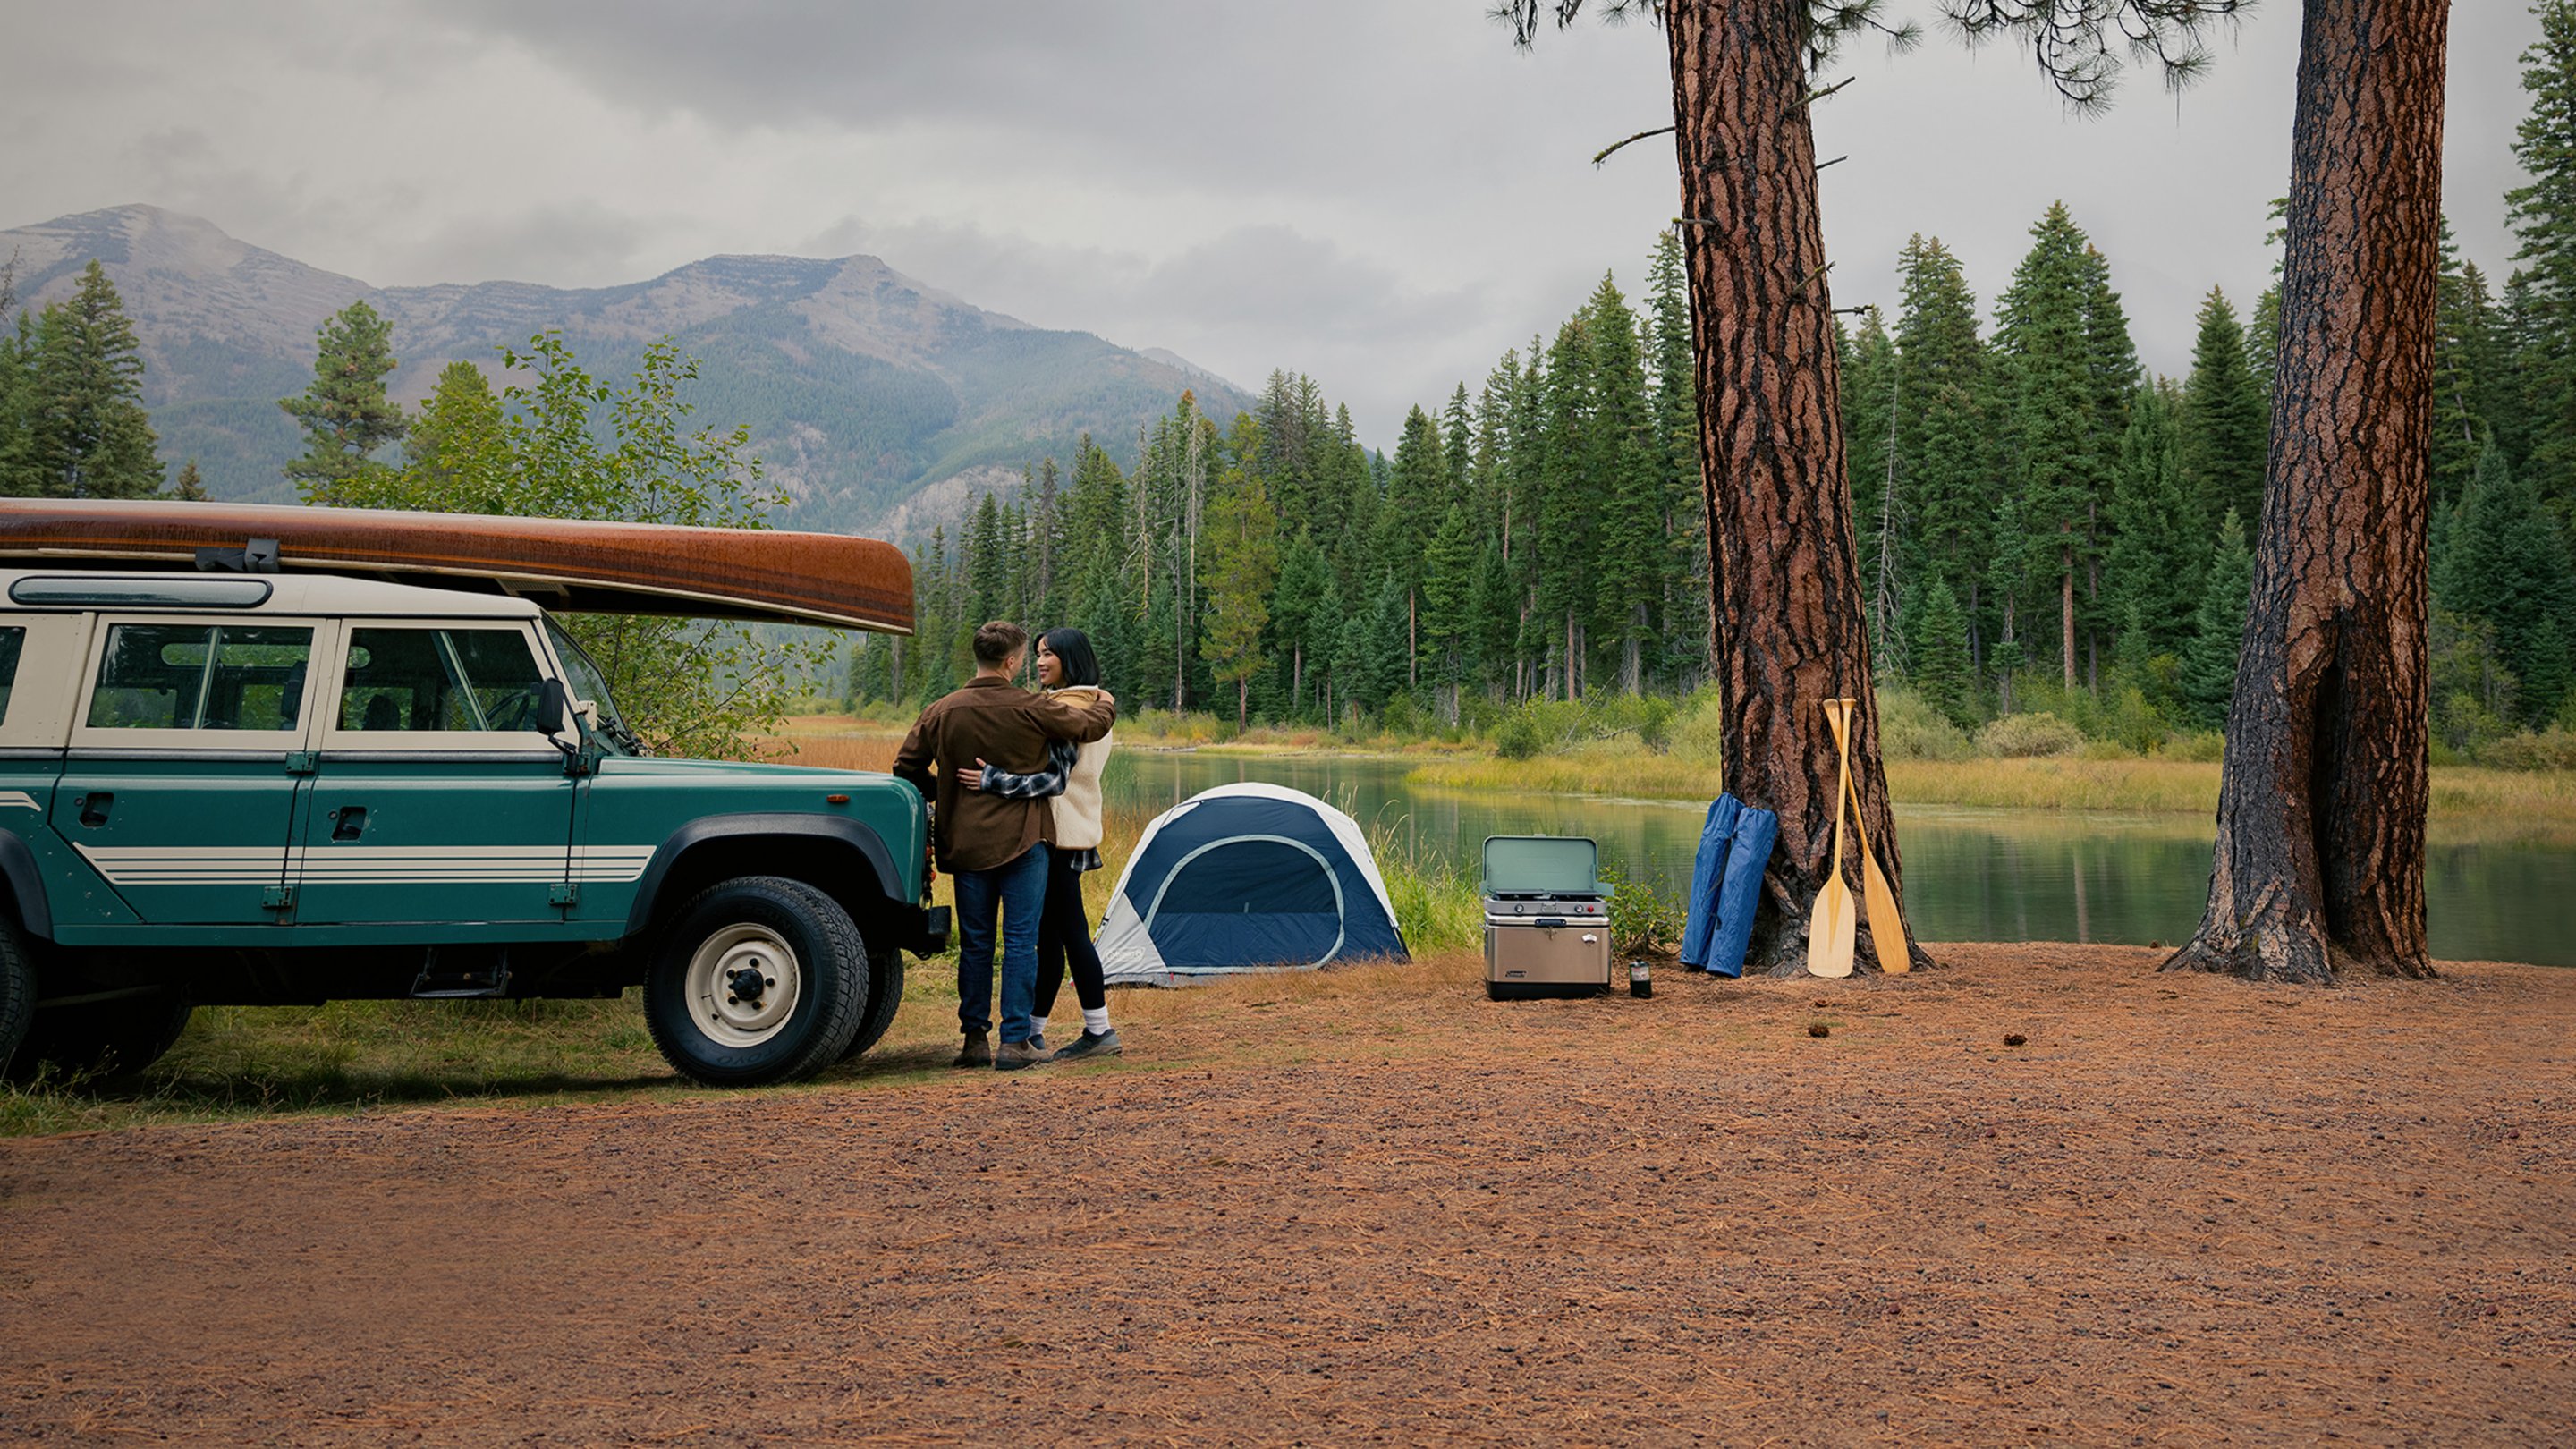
(1971, 875)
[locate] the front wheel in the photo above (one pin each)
(761, 980)
(17, 990)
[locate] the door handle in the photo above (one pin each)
(94, 808)
(348, 822)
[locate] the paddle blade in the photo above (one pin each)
(1832, 930)
(1886, 927)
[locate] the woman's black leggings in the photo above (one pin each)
(1064, 933)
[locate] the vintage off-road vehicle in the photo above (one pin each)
(279, 755)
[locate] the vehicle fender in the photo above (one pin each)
(706, 828)
(26, 886)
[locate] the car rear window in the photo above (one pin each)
(200, 677)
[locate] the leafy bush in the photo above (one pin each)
(2551, 749)
(1696, 734)
(2195, 747)
(2029, 736)
(1909, 728)
(1180, 729)
(1645, 920)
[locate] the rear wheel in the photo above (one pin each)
(885, 996)
(107, 1038)
(17, 991)
(760, 980)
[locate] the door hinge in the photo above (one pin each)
(563, 894)
(303, 762)
(278, 897)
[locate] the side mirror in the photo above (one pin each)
(552, 702)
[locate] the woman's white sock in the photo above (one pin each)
(1095, 1020)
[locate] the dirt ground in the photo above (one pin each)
(1372, 1207)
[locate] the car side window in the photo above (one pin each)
(13, 641)
(201, 677)
(440, 681)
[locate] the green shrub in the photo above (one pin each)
(2195, 747)
(1909, 728)
(1696, 735)
(1518, 736)
(2029, 736)
(2551, 749)
(1645, 920)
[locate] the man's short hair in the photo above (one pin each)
(997, 641)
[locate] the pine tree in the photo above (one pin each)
(2505, 561)
(2157, 551)
(2463, 344)
(1622, 458)
(190, 485)
(89, 436)
(2218, 627)
(456, 455)
(2223, 442)
(2543, 216)
(1240, 567)
(1668, 330)
(1940, 653)
(1304, 574)
(1869, 417)
(1448, 597)
(17, 389)
(346, 416)
(2054, 463)
(1416, 495)
(1944, 442)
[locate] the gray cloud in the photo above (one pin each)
(1383, 195)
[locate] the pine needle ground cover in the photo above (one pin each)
(1368, 1204)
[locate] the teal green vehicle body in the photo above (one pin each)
(251, 823)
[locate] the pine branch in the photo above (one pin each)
(1604, 153)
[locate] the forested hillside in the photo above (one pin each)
(860, 385)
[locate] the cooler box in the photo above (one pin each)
(1547, 919)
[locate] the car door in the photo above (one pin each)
(438, 796)
(184, 758)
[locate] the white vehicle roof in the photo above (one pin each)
(90, 590)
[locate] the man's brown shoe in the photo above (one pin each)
(1016, 1055)
(978, 1051)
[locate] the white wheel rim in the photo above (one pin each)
(727, 1007)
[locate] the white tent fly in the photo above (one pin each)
(1246, 877)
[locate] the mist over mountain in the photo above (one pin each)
(863, 388)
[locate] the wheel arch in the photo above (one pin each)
(845, 859)
(26, 882)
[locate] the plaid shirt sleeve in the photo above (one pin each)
(1038, 784)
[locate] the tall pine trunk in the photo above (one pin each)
(2320, 859)
(2066, 602)
(1788, 626)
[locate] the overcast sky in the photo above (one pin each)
(1381, 193)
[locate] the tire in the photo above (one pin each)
(811, 974)
(102, 1038)
(17, 992)
(885, 996)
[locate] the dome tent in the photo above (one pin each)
(1247, 877)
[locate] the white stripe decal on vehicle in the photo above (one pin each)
(366, 865)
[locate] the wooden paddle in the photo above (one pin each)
(1886, 927)
(1830, 937)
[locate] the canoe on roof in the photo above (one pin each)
(568, 564)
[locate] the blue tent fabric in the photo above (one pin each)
(1740, 893)
(1246, 877)
(1707, 872)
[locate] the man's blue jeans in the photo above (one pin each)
(1018, 892)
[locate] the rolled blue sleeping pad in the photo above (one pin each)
(1739, 894)
(1699, 921)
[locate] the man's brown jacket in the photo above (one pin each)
(1008, 727)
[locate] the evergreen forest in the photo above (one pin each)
(2048, 529)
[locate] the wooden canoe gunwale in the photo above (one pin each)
(576, 565)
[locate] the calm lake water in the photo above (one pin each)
(1970, 875)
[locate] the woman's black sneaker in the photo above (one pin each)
(1091, 1044)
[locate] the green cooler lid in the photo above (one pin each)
(1541, 865)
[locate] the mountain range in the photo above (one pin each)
(876, 401)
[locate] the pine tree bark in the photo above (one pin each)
(2319, 866)
(1788, 625)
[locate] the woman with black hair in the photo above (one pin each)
(1072, 777)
